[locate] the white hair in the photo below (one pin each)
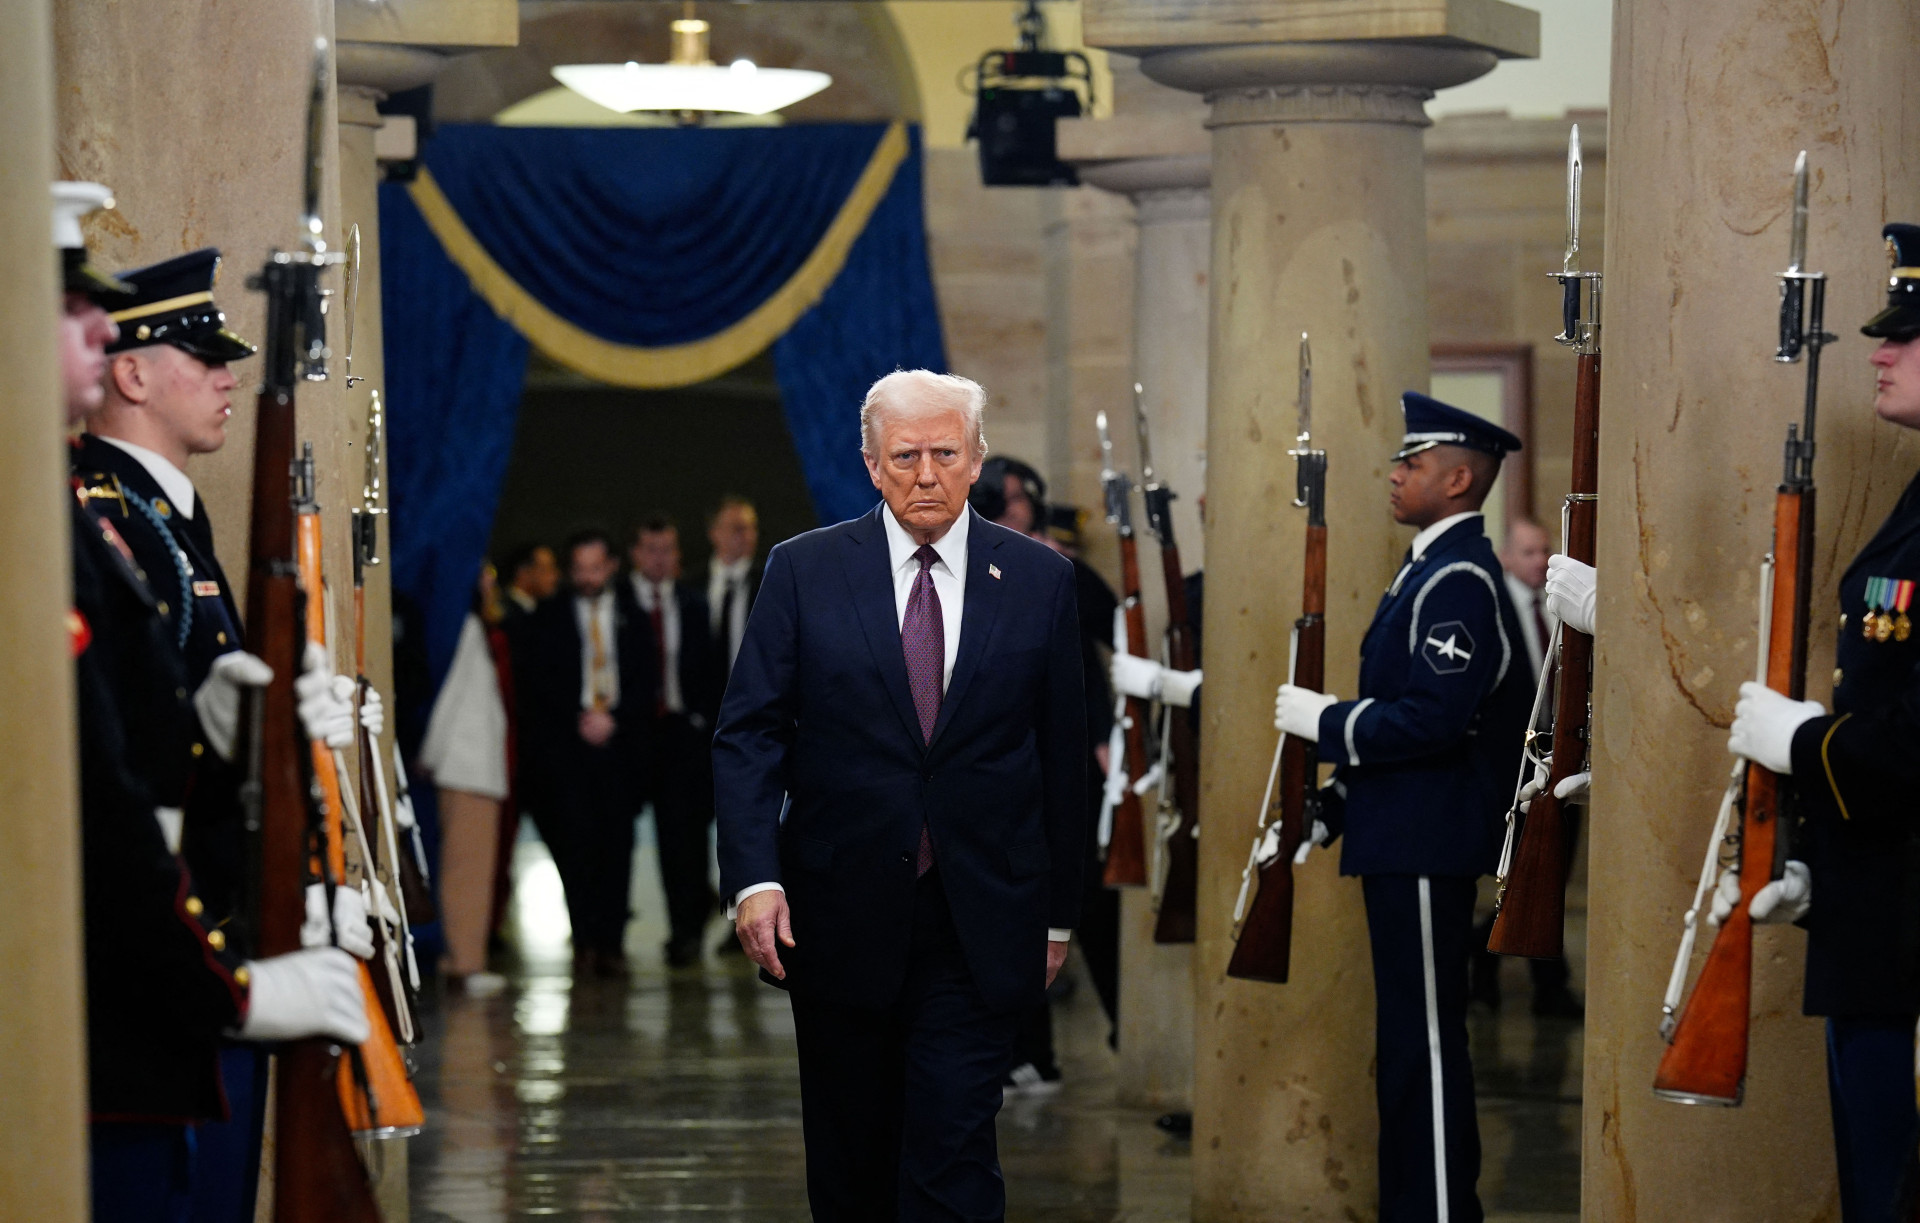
(919, 392)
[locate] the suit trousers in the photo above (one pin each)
(1869, 1079)
(1421, 931)
(682, 793)
(226, 1174)
(141, 1173)
(898, 1102)
(587, 822)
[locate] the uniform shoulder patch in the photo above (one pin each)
(1448, 648)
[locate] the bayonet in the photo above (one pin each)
(1578, 331)
(353, 297)
(1797, 232)
(1158, 497)
(1147, 478)
(1310, 473)
(1114, 482)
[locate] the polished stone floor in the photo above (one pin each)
(674, 1095)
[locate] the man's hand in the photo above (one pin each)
(1135, 677)
(218, 700)
(763, 924)
(325, 716)
(596, 727)
(1056, 956)
(1570, 593)
(1763, 725)
(1786, 899)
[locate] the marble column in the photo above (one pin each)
(1693, 414)
(1170, 312)
(1319, 225)
(43, 1109)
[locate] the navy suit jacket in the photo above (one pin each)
(823, 779)
(1429, 753)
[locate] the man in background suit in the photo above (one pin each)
(680, 745)
(733, 579)
(901, 771)
(585, 737)
(1524, 558)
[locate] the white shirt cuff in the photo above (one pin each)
(734, 908)
(1056, 935)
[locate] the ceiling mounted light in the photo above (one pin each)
(690, 83)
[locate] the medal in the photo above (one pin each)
(1882, 627)
(1887, 601)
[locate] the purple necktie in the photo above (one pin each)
(923, 637)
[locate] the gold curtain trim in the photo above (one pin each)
(677, 364)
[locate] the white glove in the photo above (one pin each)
(1571, 791)
(1317, 835)
(323, 714)
(1136, 677)
(1785, 899)
(315, 992)
(1763, 726)
(1296, 711)
(218, 699)
(348, 924)
(1177, 687)
(1570, 593)
(373, 713)
(1534, 786)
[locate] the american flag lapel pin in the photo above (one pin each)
(993, 571)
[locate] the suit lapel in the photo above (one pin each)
(976, 619)
(871, 583)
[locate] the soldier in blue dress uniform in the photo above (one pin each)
(1426, 758)
(1854, 877)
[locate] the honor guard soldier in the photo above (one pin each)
(167, 396)
(1425, 763)
(163, 983)
(1854, 882)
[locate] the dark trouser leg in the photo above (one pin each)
(1870, 1081)
(850, 1104)
(607, 853)
(227, 1155)
(1098, 936)
(559, 820)
(1421, 931)
(1033, 1038)
(681, 814)
(957, 1052)
(141, 1173)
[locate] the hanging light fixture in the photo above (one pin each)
(690, 83)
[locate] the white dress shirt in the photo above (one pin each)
(1424, 540)
(950, 587)
(521, 599)
(598, 608)
(727, 602)
(654, 596)
(172, 481)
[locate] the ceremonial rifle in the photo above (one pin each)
(1706, 1057)
(1120, 815)
(1263, 935)
(317, 1173)
(1530, 908)
(1177, 831)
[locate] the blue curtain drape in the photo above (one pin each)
(641, 237)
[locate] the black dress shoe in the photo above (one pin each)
(1484, 977)
(683, 952)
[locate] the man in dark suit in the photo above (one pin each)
(901, 773)
(680, 772)
(1424, 762)
(733, 579)
(584, 740)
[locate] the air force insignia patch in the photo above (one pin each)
(1448, 648)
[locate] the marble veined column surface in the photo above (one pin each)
(1710, 105)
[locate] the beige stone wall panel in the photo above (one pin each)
(1710, 104)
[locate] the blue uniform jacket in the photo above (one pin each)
(1855, 775)
(1428, 753)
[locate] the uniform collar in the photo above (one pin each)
(1428, 535)
(951, 547)
(172, 481)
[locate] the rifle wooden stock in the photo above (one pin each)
(1127, 844)
(1532, 906)
(1706, 1061)
(1179, 894)
(317, 1173)
(1264, 950)
(375, 1094)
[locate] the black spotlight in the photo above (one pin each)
(1019, 96)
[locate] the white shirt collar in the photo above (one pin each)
(727, 571)
(1425, 538)
(951, 547)
(172, 481)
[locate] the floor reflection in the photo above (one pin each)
(674, 1095)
